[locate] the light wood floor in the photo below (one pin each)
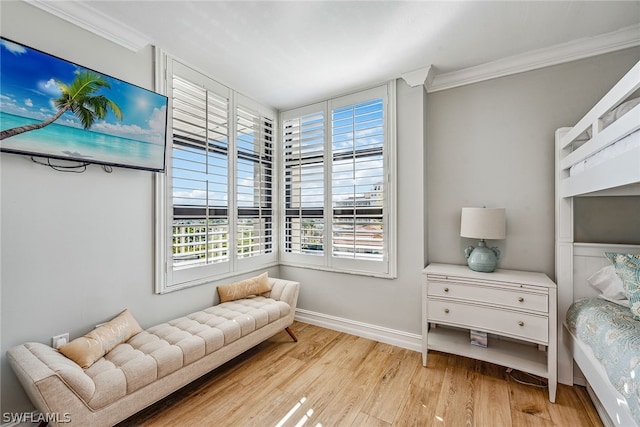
(330, 378)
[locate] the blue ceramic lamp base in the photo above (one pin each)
(482, 258)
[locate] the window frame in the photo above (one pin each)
(386, 268)
(166, 278)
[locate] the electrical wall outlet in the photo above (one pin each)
(59, 340)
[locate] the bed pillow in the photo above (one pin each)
(619, 111)
(622, 302)
(244, 288)
(627, 266)
(608, 283)
(86, 350)
(611, 117)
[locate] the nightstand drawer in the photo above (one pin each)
(504, 322)
(490, 295)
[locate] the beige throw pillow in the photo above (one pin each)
(91, 347)
(244, 288)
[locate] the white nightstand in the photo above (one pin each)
(516, 308)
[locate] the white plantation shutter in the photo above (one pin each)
(338, 184)
(357, 180)
(200, 158)
(303, 153)
(254, 181)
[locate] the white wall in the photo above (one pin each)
(492, 143)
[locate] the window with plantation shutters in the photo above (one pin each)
(338, 181)
(357, 180)
(215, 215)
(303, 155)
(254, 182)
(200, 157)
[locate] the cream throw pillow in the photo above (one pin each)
(91, 347)
(244, 288)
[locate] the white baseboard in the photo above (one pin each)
(373, 332)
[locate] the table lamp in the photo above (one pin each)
(482, 223)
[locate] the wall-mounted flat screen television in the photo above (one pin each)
(55, 109)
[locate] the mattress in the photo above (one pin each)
(614, 337)
(616, 149)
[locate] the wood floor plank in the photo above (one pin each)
(424, 390)
(261, 398)
(455, 403)
(418, 409)
(318, 392)
(333, 379)
(349, 352)
(529, 405)
(347, 404)
(391, 391)
(276, 346)
(485, 410)
(270, 370)
(569, 409)
(199, 406)
(365, 420)
(313, 345)
(275, 410)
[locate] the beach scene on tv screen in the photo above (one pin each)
(54, 108)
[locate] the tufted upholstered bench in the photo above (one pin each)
(151, 364)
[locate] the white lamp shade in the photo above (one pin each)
(483, 223)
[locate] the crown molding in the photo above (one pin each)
(566, 52)
(422, 76)
(81, 14)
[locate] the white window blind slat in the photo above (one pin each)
(303, 148)
(199, 176)
(357, 181)
(254, 183)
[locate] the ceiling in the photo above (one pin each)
(287, 53)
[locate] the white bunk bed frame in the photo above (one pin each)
(575, 262)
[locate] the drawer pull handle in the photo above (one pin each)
(446, 310)
(446, 289)
(521, 323)
(520, 299)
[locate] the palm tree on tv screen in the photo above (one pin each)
(78, 97)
